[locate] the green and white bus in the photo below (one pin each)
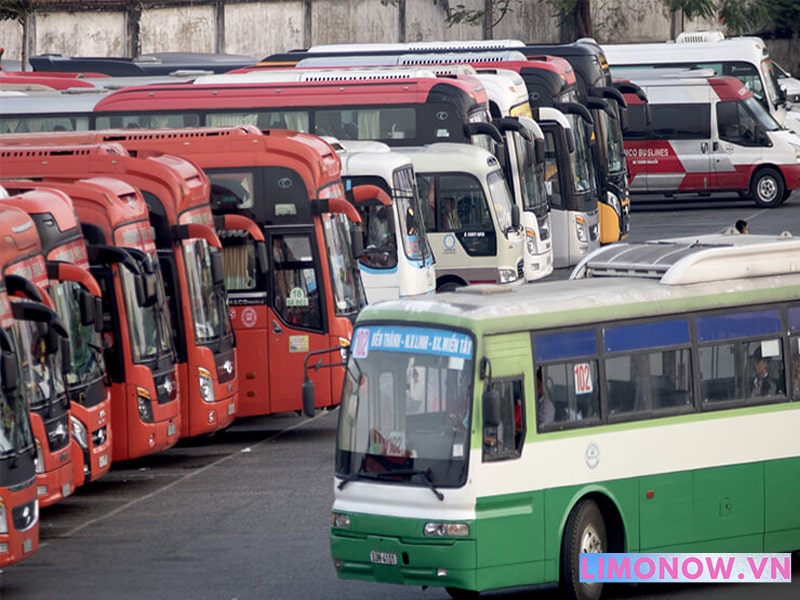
(452, 471)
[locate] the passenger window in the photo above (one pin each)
(747, 371)
(681, 121)
(567, 393)
(794, 344)
(505, 440)
(644, 383)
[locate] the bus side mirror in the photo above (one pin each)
(86, 306)
(262, 261)
(146, 290)
(308, 398)
(356, 242)
(9, 367)
(570, 141)
(538, 150)
(66, 354)
(515, 216)
(98, 314)
(9, 370)
(217, 268)
(491, 408)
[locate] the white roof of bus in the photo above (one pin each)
(437, 58)
(309, 75)
(448, 156)
(435, 45)
(670, 52)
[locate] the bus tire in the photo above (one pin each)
(585, 532)
(459, 594)
(448, 286)
(767, 188)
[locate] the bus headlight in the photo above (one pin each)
(340, 520)
(206, 385)
(79, 433)
(434, 529)
(3, 520)
(39, 460)
(507, 275)
(580, 230)
(530, 241)
(614, 203)
(144, 405)
(796, 153)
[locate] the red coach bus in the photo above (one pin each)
(40, 334)
(77, 297)
(177, 195)
(19, 508)
(306, 298)
(137, 345)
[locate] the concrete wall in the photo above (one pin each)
(260, 27)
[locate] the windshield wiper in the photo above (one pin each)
(361, 474)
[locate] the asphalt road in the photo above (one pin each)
(244, 515)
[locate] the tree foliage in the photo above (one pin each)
(15, 10)
(781, 17)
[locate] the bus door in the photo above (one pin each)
(295, 319)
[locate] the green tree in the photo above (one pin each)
(574, 16)
(781, 17)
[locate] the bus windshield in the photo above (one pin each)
(349, 296)
(15, 428)
(583, 165)
(501, 199)
(87, 358)
(209, 305)
(409, 210)
(534, 194)
(614, 144)
(406, 416)
(41, 371)
(148, 326)
(765, 119)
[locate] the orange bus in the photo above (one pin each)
(307, 297)
(77, 299)
(41, 333)
(19, 508)
(137, 345)
(176, 192)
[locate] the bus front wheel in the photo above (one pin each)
(585, 532)
(767, 188)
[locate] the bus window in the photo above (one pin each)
(504, 440)
(642, 379)
(735, 369)
(643, 383)
(795, 353)
(572, 389)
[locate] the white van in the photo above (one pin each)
(708, 134)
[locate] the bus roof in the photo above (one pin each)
(248, 95)
(492, 309)
(51, 103)
(157, 63)
(670, 52)
(696, 259)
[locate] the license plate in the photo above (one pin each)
(27, 546)
(171, 429)
(103, 460)
(383, 558)
(231, 408)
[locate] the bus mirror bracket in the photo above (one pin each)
(367, 192)
(308, 385)
(190, 231)
(19, 285)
